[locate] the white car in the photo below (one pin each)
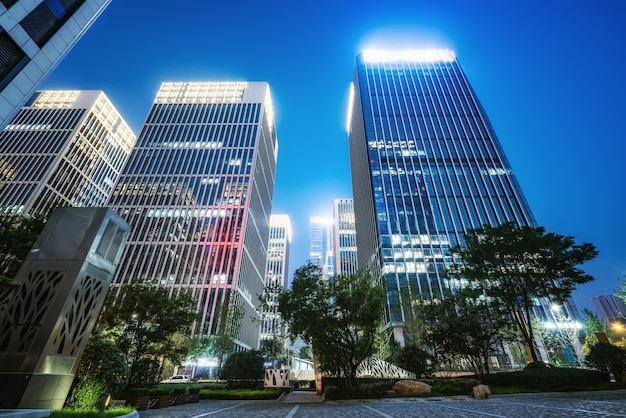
(179, 378)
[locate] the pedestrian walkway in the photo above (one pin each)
(301, 396)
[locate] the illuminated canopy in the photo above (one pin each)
(408, 55)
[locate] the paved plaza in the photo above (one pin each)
(300, 405)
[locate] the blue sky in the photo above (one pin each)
(550, 74)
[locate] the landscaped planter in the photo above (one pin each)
(140, 403)
(164, 401)
(192, 398)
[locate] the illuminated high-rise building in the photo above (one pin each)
(276, 273)
(426, 167)
(344, 237)
(35, 35)
(321, 245)
(197, 192)
(63, 148)
(610, 308)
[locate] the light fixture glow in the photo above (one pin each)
(350, 104)
(408, 55)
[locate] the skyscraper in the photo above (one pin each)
(426, 167)
(321, 245)
(197, 192)
(276, 273)
(609, 308)
(35, 35)
(63, 148)
(344, 237)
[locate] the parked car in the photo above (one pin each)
(179, 378)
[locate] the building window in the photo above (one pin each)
(44, 20)
(12, 59)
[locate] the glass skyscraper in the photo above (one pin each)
(276, 273)
(321, 245)
(426, 167)
(35, 35)
(63, 148)
(197, 192)
(344, 237)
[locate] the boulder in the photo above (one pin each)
(411, 388)
(481, 391)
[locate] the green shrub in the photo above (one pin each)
(240, 394)
(607, 358)
(243, 370)
(109, 413)
(548, 379)
(179, 390)
(538, 365)
(159, 391)
(452, 386)
(365, 391)
(213, 385)
(87, 394)
(139, 392)
(412, 358)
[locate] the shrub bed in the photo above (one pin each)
(240, 394)
(451, 386)
(364, 391)
(548, 379)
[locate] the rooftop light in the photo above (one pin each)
(408, 55)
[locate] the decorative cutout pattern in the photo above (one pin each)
(75, 322)
(23, 316)
(276, 378)
(375, 367)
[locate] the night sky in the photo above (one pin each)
(551, 75)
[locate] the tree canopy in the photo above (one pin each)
(516, 266)
(467, 326)
(339, 317)
(17, 237)
(148, 326)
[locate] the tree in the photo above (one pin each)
(412, 358)
(17, 237)
(104, 361)
(466, 326)
(608, 358)
(516, 266)
(243, 369)
(594, 325)
(147, 324)
(228, 325)
(339, 318)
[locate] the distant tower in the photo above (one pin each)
(344, 235)
(321, 245)
(426, 167)
(276, 272)
(609, 307)
(197, 192)
(63, 148)
(35, 35)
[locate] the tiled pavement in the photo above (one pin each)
(300, 405)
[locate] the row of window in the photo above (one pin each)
(184, 113)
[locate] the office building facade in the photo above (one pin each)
(35, 35)
(197, 192)
(610, 308)
(426, 167)
(276, 274)
(63, 148)
(344, 237)
(321, 245)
